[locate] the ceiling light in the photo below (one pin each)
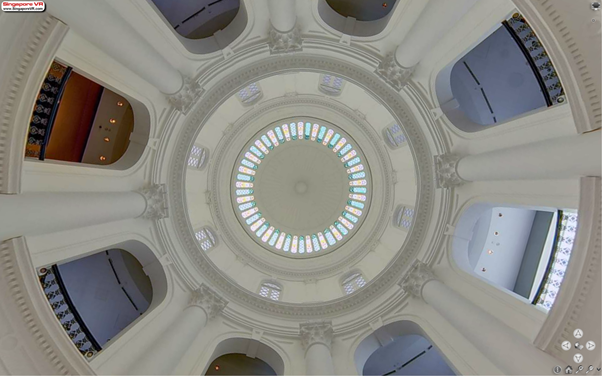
(112, 121)
(107, 139)
(120, 104)
(102, 158)
(489, 251)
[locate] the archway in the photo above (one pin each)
(400, 348)
(356, 17)
(505, 76)
(230, 355)
(96, 297)
(78, 120)
(521, 250)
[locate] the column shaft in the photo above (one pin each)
(99, 24)
(283, 14)
(165, 354)
(557, 158)
(318, 360)
(437, 18)
(41, 213)
(506, 348)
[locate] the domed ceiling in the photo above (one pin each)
(301, 186)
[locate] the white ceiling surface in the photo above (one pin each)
(373, 262)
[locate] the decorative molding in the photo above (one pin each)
(31, 318)
(446, 170)
(413, 282)
(34, 42)
(188, 95)
(217, 92)
(282, 43)
(393, 73)
(581, 275)
(208, 300)
(313, 332)
(156, 201)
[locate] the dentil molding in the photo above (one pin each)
(218, 91)
(313, 332)
(208, 300)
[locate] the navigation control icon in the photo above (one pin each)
(590, 345)
(578, 333)
(568, 370)
(566, 345)
(578, 358)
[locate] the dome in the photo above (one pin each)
(291, 187)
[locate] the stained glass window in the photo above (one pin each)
(270, 290)
(250, 94)
(404, 217)
(567, 229)
(394, 136)
(353, 282)
(197, 157)
(206, 238)
(250, 164)
(331, 85)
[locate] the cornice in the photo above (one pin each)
(218, 92)
(228, 230)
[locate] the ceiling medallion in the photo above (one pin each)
(297, 208)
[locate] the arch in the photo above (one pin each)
(402, 347)
(204, 26)
(518, 249)
(249, 347)
(507, 75)
(356, 17)
(98, 296)
(77, 119)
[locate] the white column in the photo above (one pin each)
(316, 337)
(166, 352)
(557, 158)
(437, 18)
(283, 14)
(503, 346)
(98, 23)
(39, 213)
(42, 213)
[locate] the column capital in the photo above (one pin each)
(287, 42)
(187, 96)
(208, 300)
(415, 279)
(446, 168)
(393, 73)
(316, 332)
(156, 201)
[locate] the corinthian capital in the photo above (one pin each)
(156, 201)
(393, 73)
(184, 99)
(418, 275)
(280, 42)
(316, 332)
(446, 170)
(208, 300)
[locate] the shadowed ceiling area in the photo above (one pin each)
(239, 364)
(362, 10)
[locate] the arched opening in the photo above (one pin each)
(203, 26)
(506, 75)
(244, 356)
(78, 120)
(96, 297)
(400, 348)
(521, 250)
(356, 17)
